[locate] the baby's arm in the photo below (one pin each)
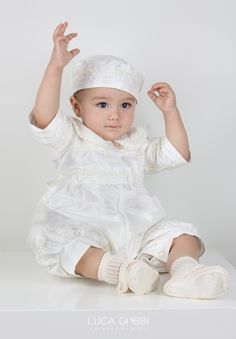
(175, 130)
(48, 96)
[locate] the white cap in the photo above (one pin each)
(106, 71)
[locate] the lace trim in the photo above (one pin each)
(134, 138)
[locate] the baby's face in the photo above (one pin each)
(107, 112)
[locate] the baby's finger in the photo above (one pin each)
(74, 52)
(152, 95)
(71, 36)
(57, 30)
(65, 39)
(63, 28)
(158, 85)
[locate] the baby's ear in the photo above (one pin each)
(75, 105)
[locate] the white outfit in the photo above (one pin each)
(98, 198)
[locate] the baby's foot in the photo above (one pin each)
(137, 276)
(198, 282)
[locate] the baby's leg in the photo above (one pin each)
(184, 245)
(88, 264)
(99, 265)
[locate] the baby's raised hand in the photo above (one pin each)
(60, 55)
(163, 97)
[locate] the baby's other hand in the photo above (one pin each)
(163, 97)
(60, 55)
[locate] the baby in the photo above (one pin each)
(96, 220)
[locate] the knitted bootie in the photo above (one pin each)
(189, 279)
(109, 267)
(137, 276)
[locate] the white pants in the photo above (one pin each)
(60, 253)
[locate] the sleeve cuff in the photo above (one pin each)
(173, 153)
(52, 126)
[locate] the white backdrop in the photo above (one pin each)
(189, 44)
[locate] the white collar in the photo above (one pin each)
(135, 137)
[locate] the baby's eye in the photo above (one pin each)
(102, 104)
(126, 105)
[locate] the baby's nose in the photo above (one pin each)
(114, 113)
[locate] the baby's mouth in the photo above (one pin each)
(113, 126)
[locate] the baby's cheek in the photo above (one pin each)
(129, 119)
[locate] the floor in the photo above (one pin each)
(26, 286)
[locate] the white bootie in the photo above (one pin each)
(189, 279)
(137, 276)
